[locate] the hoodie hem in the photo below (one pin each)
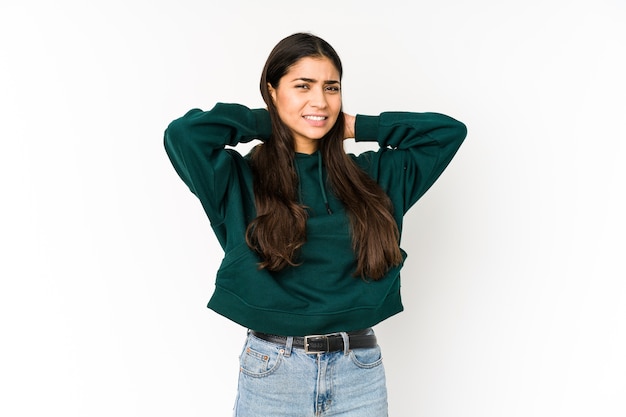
(286, 323)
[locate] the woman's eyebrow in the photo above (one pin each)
(312, 80)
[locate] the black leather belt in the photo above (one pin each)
(323, 343)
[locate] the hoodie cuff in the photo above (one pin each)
(263, 123)
(366, 128)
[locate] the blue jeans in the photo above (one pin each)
(278, 380)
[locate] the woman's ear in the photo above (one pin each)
(272, 91)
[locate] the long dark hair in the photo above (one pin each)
(279, 230)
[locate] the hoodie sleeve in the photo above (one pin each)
(195, 144)
(415, 148)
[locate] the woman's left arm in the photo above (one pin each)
(415, 148)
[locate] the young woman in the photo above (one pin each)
(310, 234)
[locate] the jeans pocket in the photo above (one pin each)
(260, 359)
(367, 358)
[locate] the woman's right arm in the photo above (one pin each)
(195, 145)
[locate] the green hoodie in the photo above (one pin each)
(321, 295)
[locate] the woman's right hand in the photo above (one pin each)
(348, 131)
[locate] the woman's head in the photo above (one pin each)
(301, 85)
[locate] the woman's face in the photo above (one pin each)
(308, 100)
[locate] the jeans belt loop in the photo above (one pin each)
(288, 346)
(346, 342)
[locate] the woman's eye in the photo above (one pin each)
(303, 86)
(333, 89)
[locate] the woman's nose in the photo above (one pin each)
(318, 98)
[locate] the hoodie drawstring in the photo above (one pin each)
(321, 181)
(295, 162)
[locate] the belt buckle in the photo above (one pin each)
(307, 341)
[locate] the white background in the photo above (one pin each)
(514, 289)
